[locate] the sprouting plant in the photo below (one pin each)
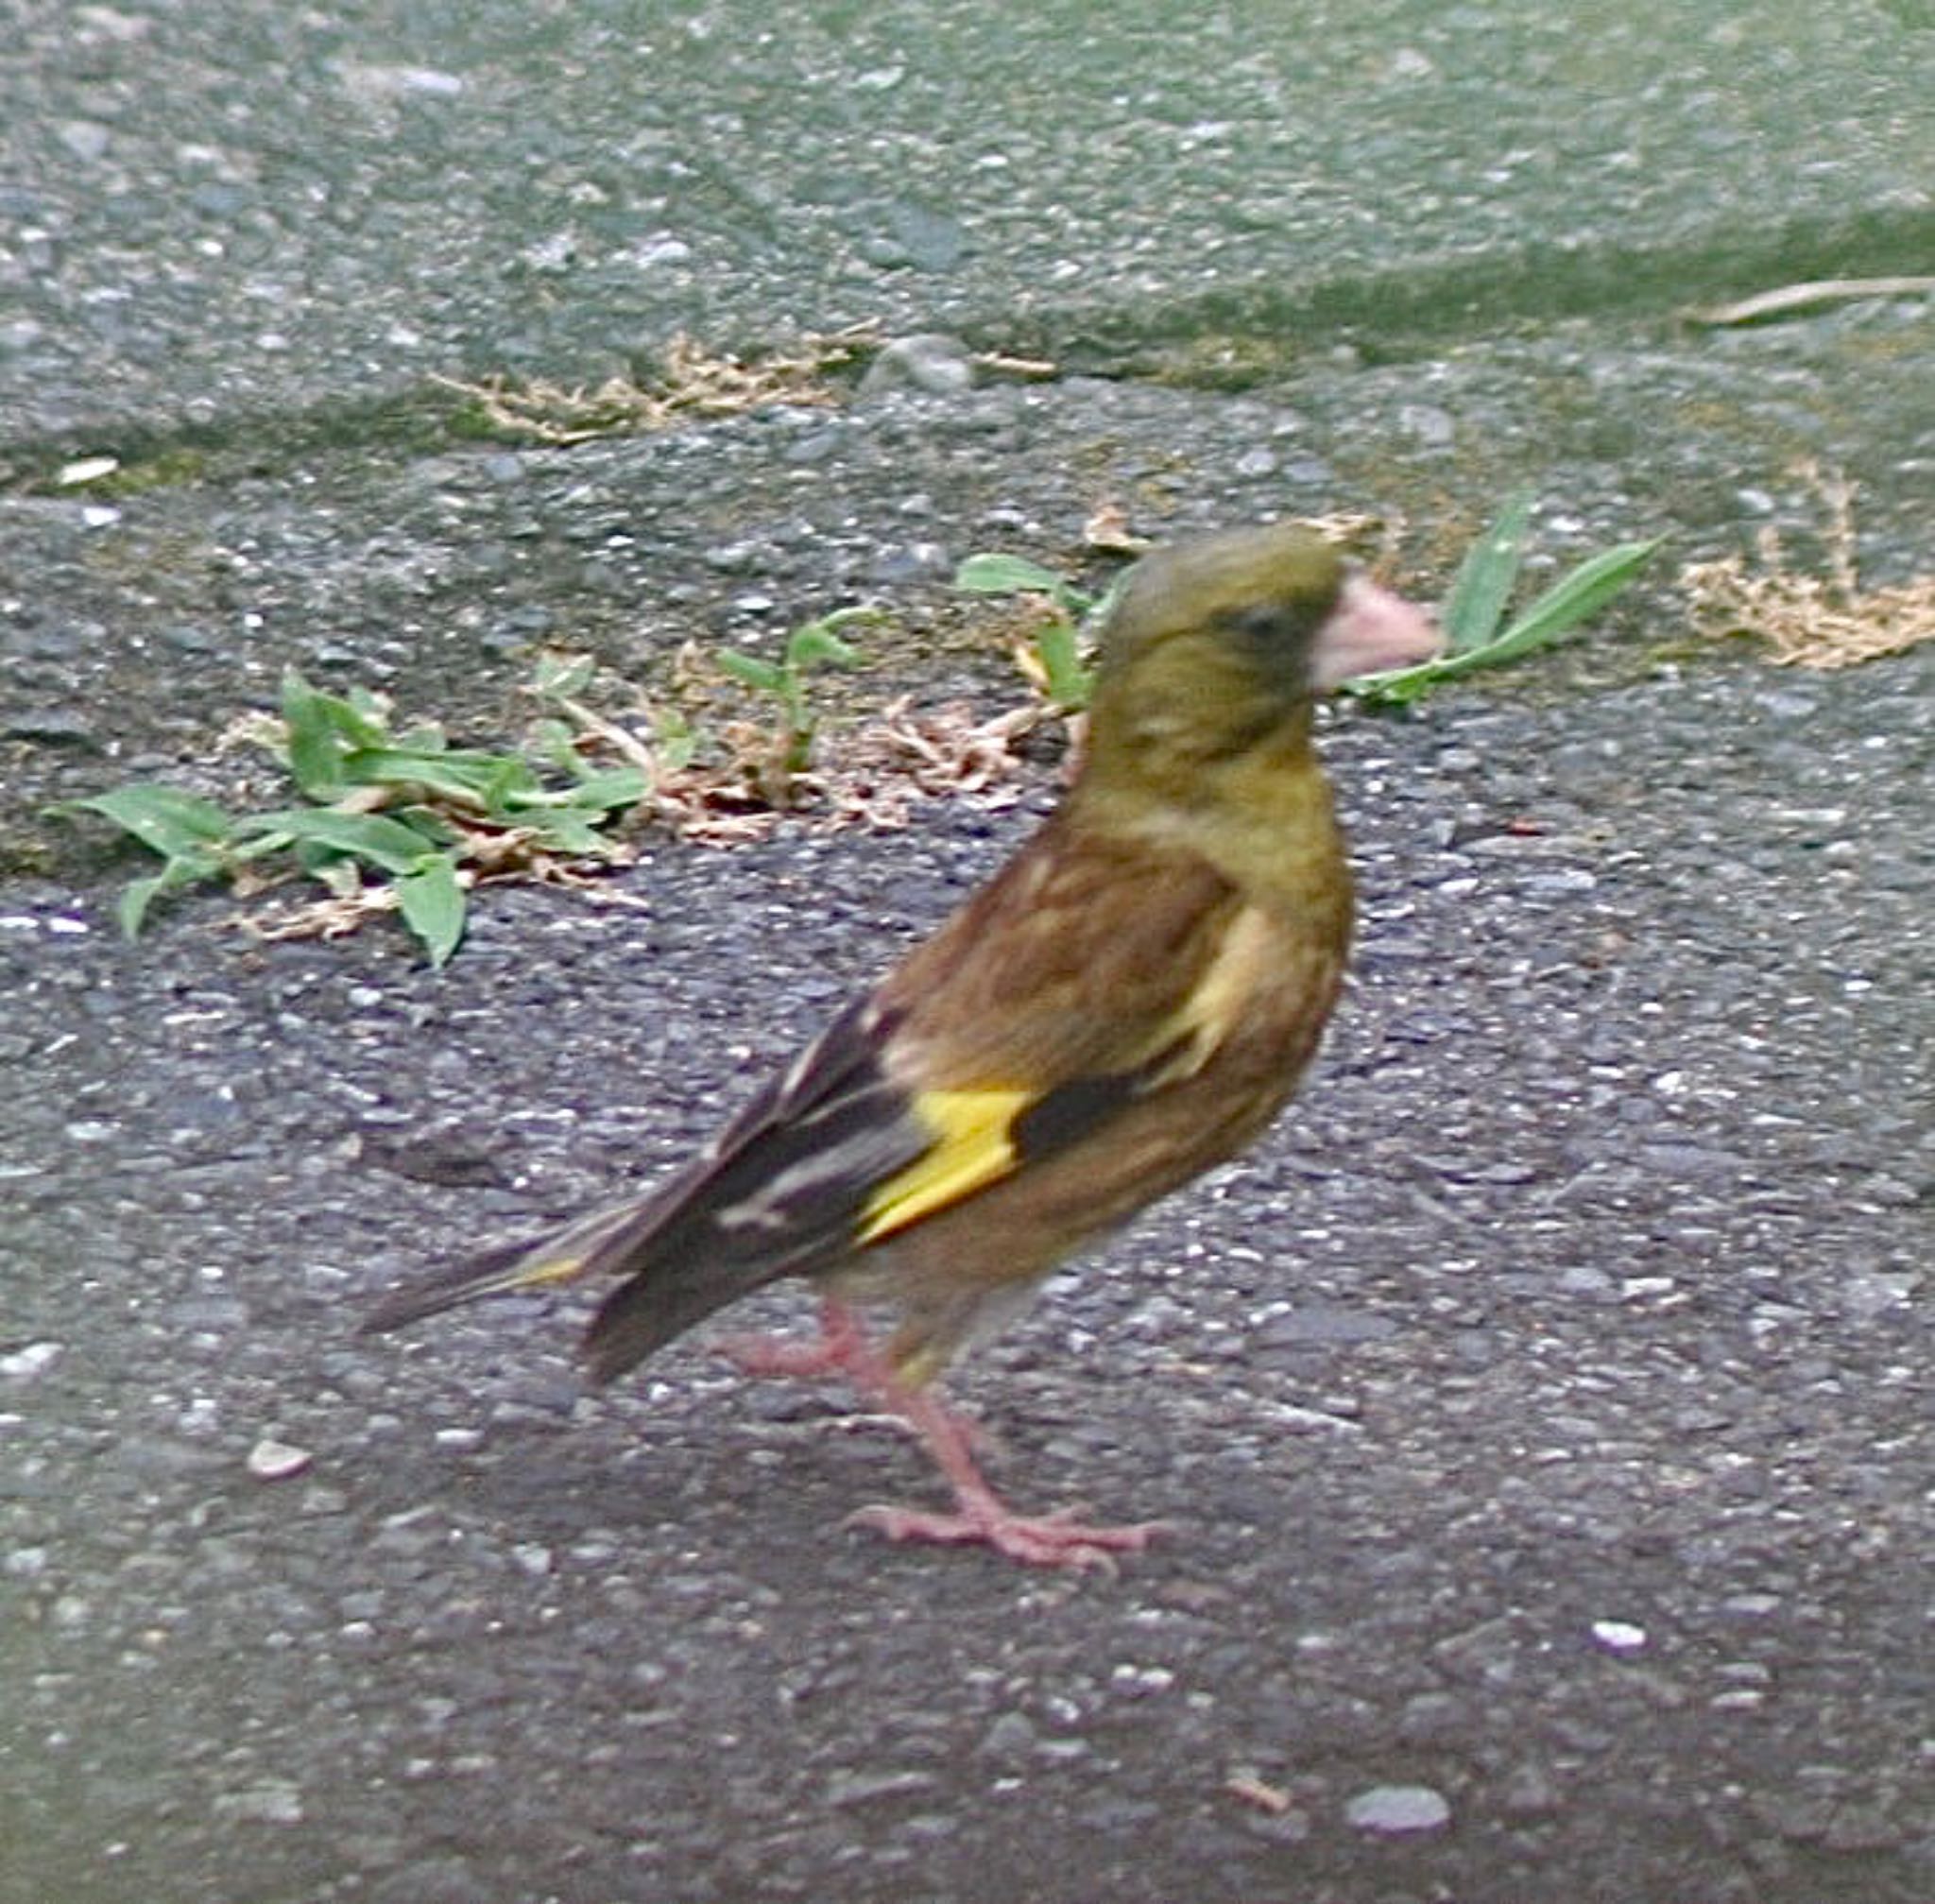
(1053, 655)
(559, 684)
(810, 645)
(405, 810)
(1480, 595)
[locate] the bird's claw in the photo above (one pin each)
(1054, 1539)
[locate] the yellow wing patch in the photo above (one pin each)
(972, 1149)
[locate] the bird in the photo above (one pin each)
(1128, 1002)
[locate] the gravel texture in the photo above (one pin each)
(235, 212)
(1542, 1412)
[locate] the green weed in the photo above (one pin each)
(812, 645)
(1480, 595)
(405, 810)
(1063, 631)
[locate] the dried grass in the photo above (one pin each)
(695, 381)
(872, 775)
(1812, 621)
(491, 856)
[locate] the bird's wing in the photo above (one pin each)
(774, 1189)
(1018, 1029)
(1045, 1007)
(988, 1048)
(763, 1198)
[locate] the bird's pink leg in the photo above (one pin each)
(1055, 1539)
(830, 1353)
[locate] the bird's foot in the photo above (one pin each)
(980, 1516)
(1054, 1539)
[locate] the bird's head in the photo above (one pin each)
(1219, 643)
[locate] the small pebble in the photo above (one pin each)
(937, 365)
(275, 1801)
(1742, 1699)
(86, 469)
(850, 1788)
(1394, 1810)
(1618, 1635)
(36, 1358)
(1010, 1737)
(273, 1460)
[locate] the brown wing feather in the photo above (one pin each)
(1161, 1039)
(1044, 977)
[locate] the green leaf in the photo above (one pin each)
(815, 645)
(131, 909)
(514, 787)
(1485, 578)
(1099, 608)
(188, 869)
(991, 575)
(562, 677)
(163, 819)
(426, 737)
(769, 677)
(1069, 682)
(388, 844)
(431, 898)
(861, 615)
(603, 791)
(557, 742)
(1398, 688)
(335, 873)
(316, 762)
(1575, 597)
(321, 728)
(467, 776)
(568, 831)
(367, 714)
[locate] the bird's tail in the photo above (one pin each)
(666, 1288)
(562, 1256)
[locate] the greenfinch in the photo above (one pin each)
(1128, 1002)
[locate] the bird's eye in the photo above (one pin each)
(1277, 631)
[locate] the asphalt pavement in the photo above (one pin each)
(1542, 1412)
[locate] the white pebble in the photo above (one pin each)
(1618, 1635)
(273, 1460)
(1395, 1808)
(36, 1358)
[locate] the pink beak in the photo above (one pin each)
(1369, 630)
